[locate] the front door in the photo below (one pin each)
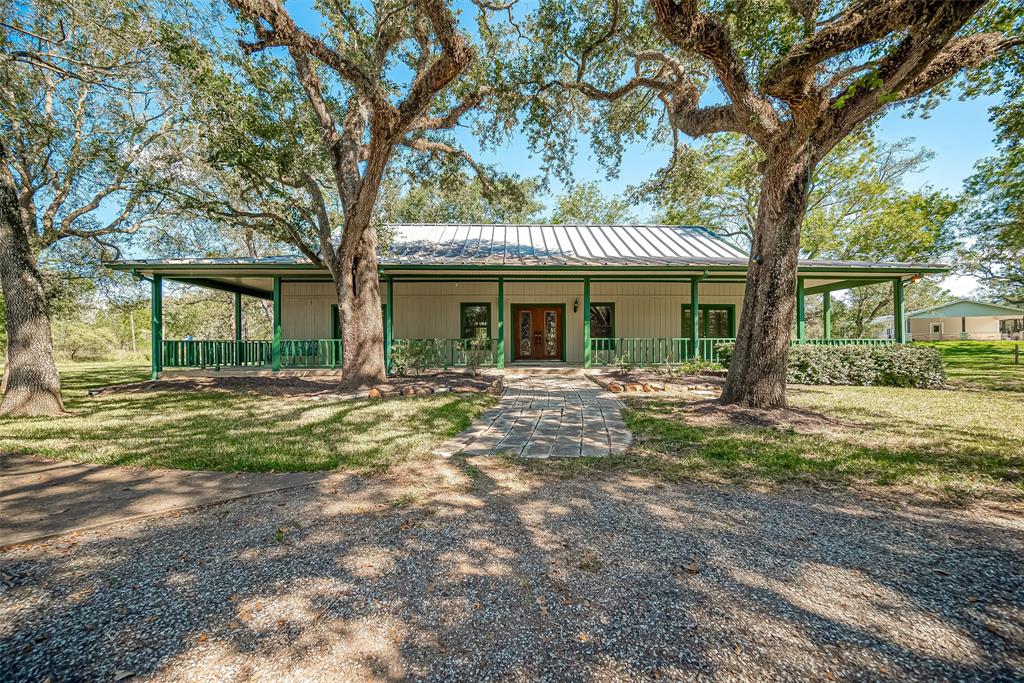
(936, 331)
(539, 332)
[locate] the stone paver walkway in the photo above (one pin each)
(546, 416)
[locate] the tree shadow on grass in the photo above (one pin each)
(491, 573)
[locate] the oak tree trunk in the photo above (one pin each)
(31, 384)
(362, 329)
(757, 372)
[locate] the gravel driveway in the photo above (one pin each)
(486, 572)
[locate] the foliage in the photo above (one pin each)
(694, 366)
(458, 198)
(414, 356)
(586, 203)
(888, 365)
(77, 341)
(478, 352)
(86, 118)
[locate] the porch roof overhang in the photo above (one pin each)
(254, 277)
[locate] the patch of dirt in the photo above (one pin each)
(310, 387)
(710, 413)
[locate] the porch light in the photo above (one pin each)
(575, 305)
(915, 278)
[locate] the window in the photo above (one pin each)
(713, 321)
(602, 321)
(475, 320)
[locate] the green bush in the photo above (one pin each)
(889, 365)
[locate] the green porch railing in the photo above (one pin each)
(215, 353)
(311, 353)
(639, 350)
(449, 353)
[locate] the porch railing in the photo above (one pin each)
(448, 353)
(649, 351)
(311, 353)
(216, 353)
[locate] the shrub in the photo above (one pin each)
(77, 341)
(889, 365)
(415, 355)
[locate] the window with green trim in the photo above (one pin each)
(602, 321)
(713, 320)
(475, 320)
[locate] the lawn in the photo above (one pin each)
(982, 365)
(954, 444)
(216, 430)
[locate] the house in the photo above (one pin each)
(509, 296)
(963, 319)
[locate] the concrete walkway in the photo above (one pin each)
(542, 416)
(42, 498)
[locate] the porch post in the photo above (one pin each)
(898, 318)
(826, 314)
(275, 344)
(156, 323)
(389, 321)
(801, 313)
(500, 350)
(694, 317)
(587, 353)
(238, 328)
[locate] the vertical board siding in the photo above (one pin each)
(429, 310)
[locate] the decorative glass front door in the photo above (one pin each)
(539, 332)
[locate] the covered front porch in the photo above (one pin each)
(497, 319)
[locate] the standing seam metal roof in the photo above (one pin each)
(532, 245)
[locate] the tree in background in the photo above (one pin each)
(586, 203)
(82, 115)
(459, 198)
(381, 79)
(994, 219)
(796, 78)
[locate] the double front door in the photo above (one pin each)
(539, 332)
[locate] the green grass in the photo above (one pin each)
(982, 365)
(951, 443)
(216, 430)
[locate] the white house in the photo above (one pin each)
(962, 319)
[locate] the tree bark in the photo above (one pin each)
(31, 384)
(362, 327)
(757, 373)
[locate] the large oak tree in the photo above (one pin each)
(82, 118)
(795, 77)
(389, 77)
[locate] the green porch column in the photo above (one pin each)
(275, 344)
(389, 323)
(587, 351)
(500, 351)
(156, 323)
(238, 329)
(801, 313)
(826, 314)
(899, 324)
(694, 317)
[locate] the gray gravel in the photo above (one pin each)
(487, 573)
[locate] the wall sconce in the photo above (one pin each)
(915, 278)
(575, 305)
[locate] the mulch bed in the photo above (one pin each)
(315, 388)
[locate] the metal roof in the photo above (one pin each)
(561, 245)
(540, 246)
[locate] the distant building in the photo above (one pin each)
(962, 319)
